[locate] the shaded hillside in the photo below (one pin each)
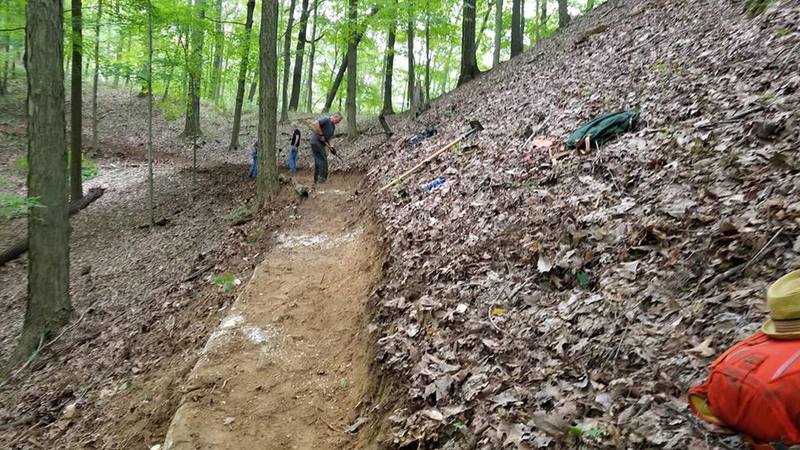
(545, 296)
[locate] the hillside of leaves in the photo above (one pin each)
(546, 296)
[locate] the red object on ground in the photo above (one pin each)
(754, 387)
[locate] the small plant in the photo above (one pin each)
(583, 279)
(22, 164)
(227, 282)
(239, 213)
(13, 206)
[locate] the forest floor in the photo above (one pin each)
(288, 367)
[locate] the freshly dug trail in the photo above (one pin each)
(288, 367)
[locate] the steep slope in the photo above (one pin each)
(544, 296)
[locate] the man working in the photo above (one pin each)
(320, 139)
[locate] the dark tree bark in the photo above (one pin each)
(195, 70)
(352, 66)
(310, 78)
(563, 14)
(76, 103)
(412, 24)
(48, 307)
(297, 76)
(219, 46)
(388, 109)
(469, 63)
(237, 113)
(498, 32)
(516, 28)
(287, 60)
(267, 179)
(427, 55)
(4, 74)
(253, 85)
(96, 72)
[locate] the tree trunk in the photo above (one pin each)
(352, 66)
(543, 18)
(118, 55)
(498, 32)
(310, 79)
(6, 57)
(76, 102)
(516, 28)
(427, 56)
(388, 109)
(169, 81)
(219, 45)
(48, 307)
(237, 113)
(195, 70)
(267, 179)
(411, 75)
(469, 63)
(150, 184)
(253, 85)
(287, 60)
(563, 14)
(297, 77)
(536, 26)
(96, 73)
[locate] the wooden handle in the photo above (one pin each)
(418, 166)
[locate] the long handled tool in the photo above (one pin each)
(474, 125)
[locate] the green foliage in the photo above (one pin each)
(239, 214)
(756, 7)
(583, 279)
(227, 281)
(89, 169)
(13, 206)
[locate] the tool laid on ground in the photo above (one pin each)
(474, 126)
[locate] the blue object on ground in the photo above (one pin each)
(433, 184)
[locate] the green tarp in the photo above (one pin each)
(604, 128)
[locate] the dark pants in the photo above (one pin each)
(320, 161)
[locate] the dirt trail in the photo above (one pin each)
(288, 367)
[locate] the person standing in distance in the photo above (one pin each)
(322, 129)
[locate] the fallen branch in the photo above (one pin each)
(742, 267)
(194, 275)
(18, 249)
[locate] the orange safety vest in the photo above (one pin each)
(754, 387)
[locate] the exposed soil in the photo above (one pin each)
(288, 366)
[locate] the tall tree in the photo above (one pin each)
(237, 113)
(516, 28)
(310, 78)
(469, 63)
(297, 76)
(267, 179)
(48, 307)
(337, 81)
(412, 24)
(253, 85)
(215, 87)
(287, 60)
(150, 184)
(536, 26)
(498, 32)
(195, 71)
(352, 66)
(96, 72)
(563, 14)
(389, 68)
(76, 99)
(427, 52)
